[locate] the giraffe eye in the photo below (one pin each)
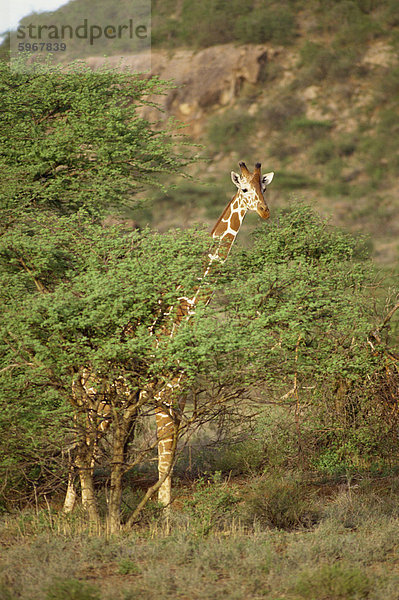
(244, 190)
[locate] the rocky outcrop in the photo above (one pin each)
(210, 77)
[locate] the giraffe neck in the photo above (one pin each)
(225, 232)
(228, 225)
(168, 419)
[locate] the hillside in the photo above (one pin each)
(314, 96)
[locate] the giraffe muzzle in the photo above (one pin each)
(263, 211)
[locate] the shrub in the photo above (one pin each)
(320, 63)
(209, 22)
(392, 13)
(281, 503)
(346, 145)
(293, 181)
(323, 151)
(212, 501)
(5, 593)
(311, 128)
(333, 582)
(228, 457)
(128, 567)
(266, 24)
(278, 114)
(230, 131)
(72, 589)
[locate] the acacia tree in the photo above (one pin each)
(292, 310)
(76, 139)
(78, 295)
(112, 282)
(74, 147)
(309, 299)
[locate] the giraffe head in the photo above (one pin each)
(251, 189)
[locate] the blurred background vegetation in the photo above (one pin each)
(323, 112)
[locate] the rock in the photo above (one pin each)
(315, 113)
(253, 109)
(379, 54)
(211, 77)
(186, 108)
(310, 93)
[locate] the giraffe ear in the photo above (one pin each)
(266, 179)
(235, 178)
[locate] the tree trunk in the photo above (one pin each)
(71, 495)
(84, 463)
(123, 422)
(117, 470)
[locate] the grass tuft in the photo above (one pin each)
(280, 502)
(333, 582)
(72, 589)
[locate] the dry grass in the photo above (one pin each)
(353, 552)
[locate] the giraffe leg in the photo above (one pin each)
(71, 494)
(89, 502)
(166, 431)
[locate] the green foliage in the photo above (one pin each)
(72, 589)
(356, 430)
(298, 284)
(392, 13)
(230, 457)
(5, 593)
(128, 567)
(211, 20)
(240, 458)
(221, 21)
(74, 148)
(351, 21)
(300, 297)
(293, 306)
(153, 510)
(332, 461)
(103, 280)
(333, 582)
(231, 131)
(75, 140)
(280, 502)
(310, 128)
(381, 149)
(293, 181)
(332, 63)
(323, 151)
(267, 24)
(211, 502)
(276, 429)
(282, 111)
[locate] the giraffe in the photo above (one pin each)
(249, 197)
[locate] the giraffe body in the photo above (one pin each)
(168, 409)
(249, 197)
